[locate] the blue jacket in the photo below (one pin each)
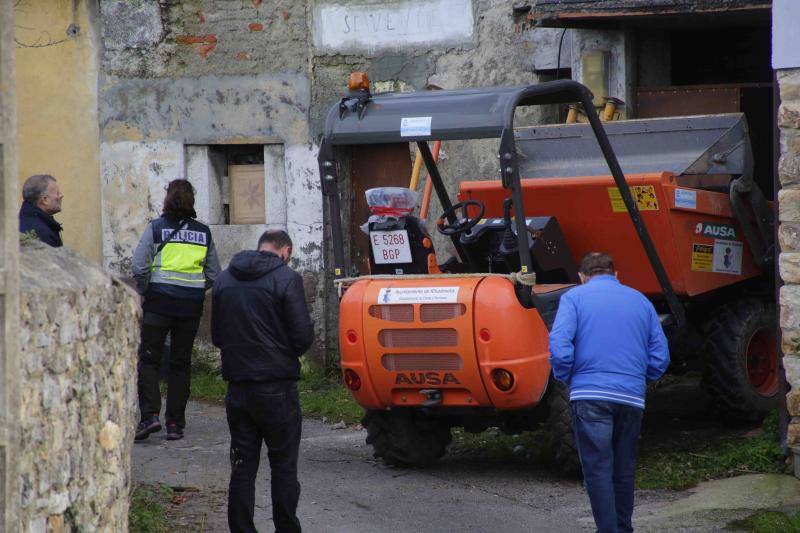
(31, 218)
(607, 342)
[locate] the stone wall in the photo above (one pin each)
(78, 336)
(789, 239)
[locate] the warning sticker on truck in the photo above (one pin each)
(418, 295)
(728, 256)
(685, 198)
(702, 257)
(645, 196)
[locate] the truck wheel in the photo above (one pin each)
(559, 427)
(742, 366)
(405, 438)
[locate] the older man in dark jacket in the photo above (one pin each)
(261, 323)
(41, 200)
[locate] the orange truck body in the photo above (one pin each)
(400, 349)
(592, 217)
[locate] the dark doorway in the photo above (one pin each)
(729, 55)
(377, 165)
(713, 70)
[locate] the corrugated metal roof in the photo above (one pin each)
(602, 12)
(601, 6)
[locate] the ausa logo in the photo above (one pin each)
(426, 378)
(724, 231)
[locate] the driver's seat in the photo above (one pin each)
(401, 246)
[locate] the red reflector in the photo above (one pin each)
(503, 379)
(352, 338)
(485, 335)
(351, 380)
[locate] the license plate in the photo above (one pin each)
(390, 247)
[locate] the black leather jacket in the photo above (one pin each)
(259, 319)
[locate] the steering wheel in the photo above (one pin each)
(460, 225)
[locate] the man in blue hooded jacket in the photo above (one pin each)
(606, 344)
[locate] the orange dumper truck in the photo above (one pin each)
(426, 347)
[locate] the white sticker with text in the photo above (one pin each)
(686, 198)
(415, 127)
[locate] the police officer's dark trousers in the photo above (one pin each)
(268, 412)
(154, 332)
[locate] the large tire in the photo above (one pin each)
(406, 438)
(741, 369)
(559, 427)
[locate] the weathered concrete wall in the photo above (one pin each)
(78, 336)
(57, 58)
(199, 37)
(145, 125)
(178, 76)
(205, 73)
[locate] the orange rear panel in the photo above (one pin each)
(406, 335)
(512, 338)
(691, 241)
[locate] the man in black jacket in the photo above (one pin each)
(260, 321)
(41, 200)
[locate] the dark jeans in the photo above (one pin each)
(182, 332)
(607, 434)
(268, 412)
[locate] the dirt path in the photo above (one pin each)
(346, 490)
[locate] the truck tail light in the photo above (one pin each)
(351, 380)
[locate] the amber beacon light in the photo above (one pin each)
(358, 81)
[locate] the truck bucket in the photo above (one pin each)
(705, 144)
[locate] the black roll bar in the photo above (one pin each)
(373, 126)
(569, 91)
(330, 189)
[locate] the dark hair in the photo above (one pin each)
(179, 202)
(35, 186)
(276, 237)
(595, 263)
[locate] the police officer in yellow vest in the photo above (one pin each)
(174, 264)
